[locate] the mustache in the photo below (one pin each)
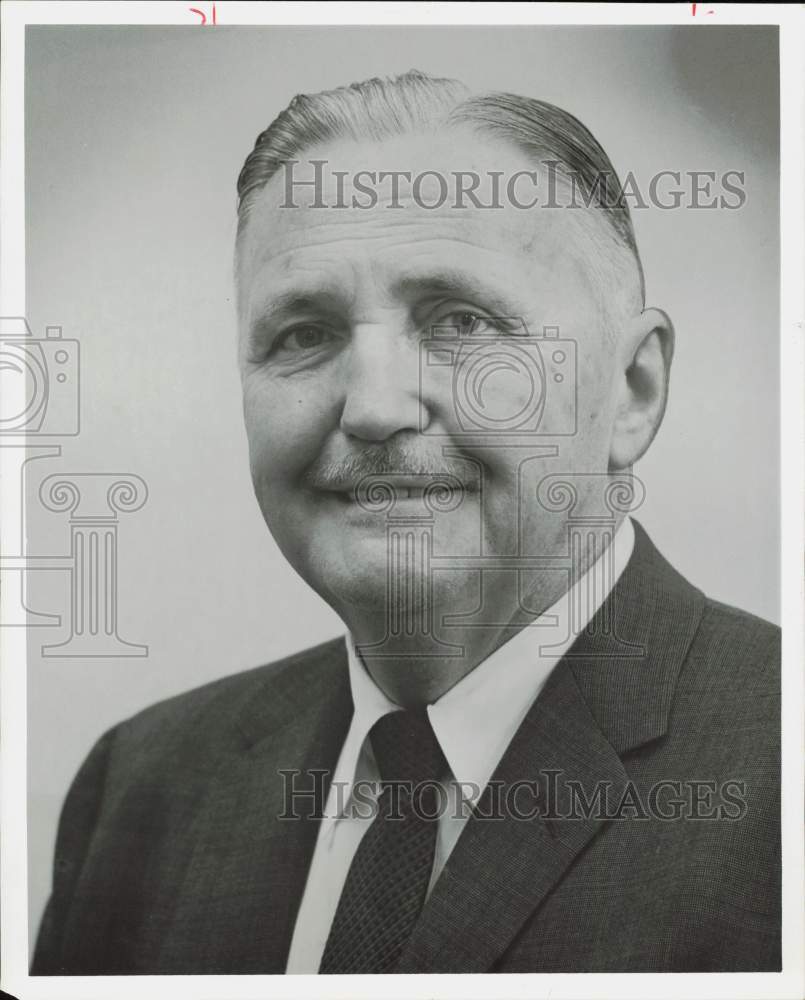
(386, 459)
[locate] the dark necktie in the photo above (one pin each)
(388, 879)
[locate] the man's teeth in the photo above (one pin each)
(417, 492)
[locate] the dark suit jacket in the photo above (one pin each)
(170, 857)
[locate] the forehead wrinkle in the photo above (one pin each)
(327, 230)
(502, 253)
(328, 225)
(313, 254)
(389, 281)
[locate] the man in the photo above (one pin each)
(539, 748)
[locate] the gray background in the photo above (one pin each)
(134, 138)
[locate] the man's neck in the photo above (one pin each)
(416, 670)
(413, 673)
(412, 679)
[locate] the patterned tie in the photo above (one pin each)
(387, 881)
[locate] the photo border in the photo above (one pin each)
(13, 764)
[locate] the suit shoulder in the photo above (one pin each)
(211, 707)
(735, 659)
(744, 635)
(724, 635)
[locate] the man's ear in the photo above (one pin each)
(645, 351)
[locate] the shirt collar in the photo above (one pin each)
(369, 705)
(476, 719)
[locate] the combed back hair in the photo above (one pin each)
(415, 103)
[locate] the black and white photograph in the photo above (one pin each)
(402, 500)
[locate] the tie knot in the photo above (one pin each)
(406, 748)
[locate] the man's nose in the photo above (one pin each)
(382, 391)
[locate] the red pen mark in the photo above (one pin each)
(203, 16)
(693, 7)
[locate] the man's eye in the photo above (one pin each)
(304, 338)
(467, 322)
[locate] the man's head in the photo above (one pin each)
(340, 293)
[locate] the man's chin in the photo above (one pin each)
(358, 584)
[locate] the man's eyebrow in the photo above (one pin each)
(275, 307)
(455, 283)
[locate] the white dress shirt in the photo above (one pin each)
(474, 723)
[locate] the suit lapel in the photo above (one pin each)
(502, 868)
(610, 694)
(244, 881)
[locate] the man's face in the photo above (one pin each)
(337, 306)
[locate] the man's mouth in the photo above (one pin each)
(399, 489)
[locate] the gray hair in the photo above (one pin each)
(414, 102)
